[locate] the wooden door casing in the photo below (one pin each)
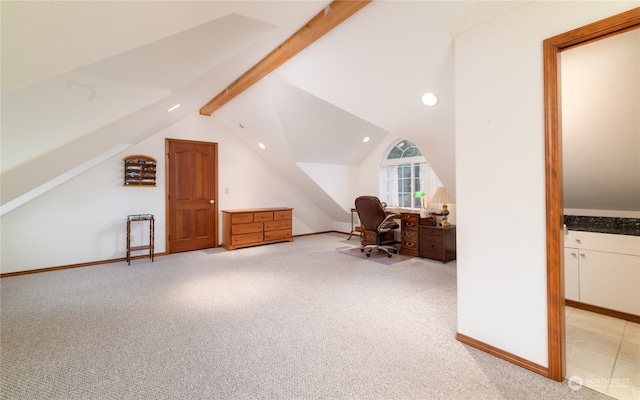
(192, 195)
(553, 170)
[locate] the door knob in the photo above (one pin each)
(212, 201)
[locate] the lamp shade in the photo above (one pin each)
(441, 196)
(418, 194)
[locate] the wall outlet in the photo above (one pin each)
(132, 238)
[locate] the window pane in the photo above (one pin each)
(394, 153)
(404, 200)
(404, 171)
(411, 152)
(404, 185)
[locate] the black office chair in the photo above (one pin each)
(373, 217)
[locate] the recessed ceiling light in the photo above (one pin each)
(173, 108)
(365, 140)
(262, 146)
(429, 99)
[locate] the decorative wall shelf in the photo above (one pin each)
(139, 171)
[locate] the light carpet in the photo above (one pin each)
(312, 319)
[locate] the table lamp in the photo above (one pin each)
(442, 196)
(420, 195)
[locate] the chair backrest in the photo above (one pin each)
(370, 212)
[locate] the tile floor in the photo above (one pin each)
(604, 352)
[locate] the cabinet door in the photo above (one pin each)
(610, 280)
(571, 274)
(432, 247)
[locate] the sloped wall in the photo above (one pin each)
(84, 219)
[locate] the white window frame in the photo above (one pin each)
(429, 181)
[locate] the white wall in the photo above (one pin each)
(84, 219)
(500, 195)
(600, 86)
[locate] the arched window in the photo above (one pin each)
(404, 172)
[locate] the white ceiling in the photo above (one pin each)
(80, 79)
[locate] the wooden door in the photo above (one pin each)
(192, 195)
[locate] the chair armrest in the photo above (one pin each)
(389, 217)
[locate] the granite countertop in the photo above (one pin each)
(617, 226)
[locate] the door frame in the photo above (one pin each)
(552, 47)
(166, 194)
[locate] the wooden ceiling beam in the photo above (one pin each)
(333, 15)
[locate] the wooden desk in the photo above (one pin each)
(428, 241)
(409, 235)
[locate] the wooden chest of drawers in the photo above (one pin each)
(409, 234)
(438, 242)
(251, 227)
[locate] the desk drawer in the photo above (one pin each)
(406, 245)
(431, 232)
(370, 237)
(409, 236)
(409, 221)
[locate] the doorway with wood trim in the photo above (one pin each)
(192, 195)
(553, 170)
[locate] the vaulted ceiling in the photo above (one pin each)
(82, 80)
